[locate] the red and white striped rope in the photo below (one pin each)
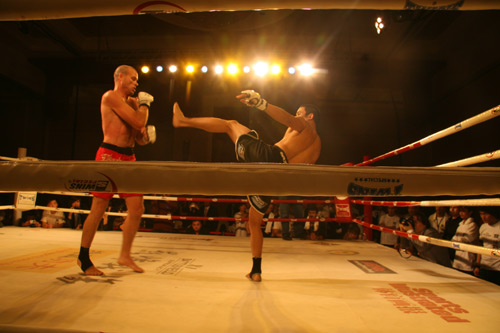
(435, 241)
(484, 116)
(432, 203)
(179, 217)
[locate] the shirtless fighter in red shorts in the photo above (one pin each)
(124, 121)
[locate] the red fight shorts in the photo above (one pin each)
(109, 152)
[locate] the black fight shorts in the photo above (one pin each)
(249, 148)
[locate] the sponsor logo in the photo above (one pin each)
(371, 267)
(358, 190)
(342, 210)
(452, 6)
(91, 185)
(88, 185)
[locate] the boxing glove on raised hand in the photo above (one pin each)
(145, 99)
(254, 99)
(151, 131)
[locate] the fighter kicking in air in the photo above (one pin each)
(300, 144)
(124, 121)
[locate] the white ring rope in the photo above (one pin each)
(473, 160)
(179, 217)
(484, 116)
(435, 241)
(432, 203)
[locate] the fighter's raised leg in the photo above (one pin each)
(209, 124)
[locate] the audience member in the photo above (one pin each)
(353, 231)
(241, 217)
(391, 221)
(196, 228)
(74, 220)
(311, 227)
(468, 233)
(298, 213)
(452, 223)
(487, 267)
(451, 227)
(53, 218)
(29, 219)
(210, 210)
(161, 207)
(419, 224)
(438, 219)
(273, 228)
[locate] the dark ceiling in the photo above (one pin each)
(326, 35)
(423, 61)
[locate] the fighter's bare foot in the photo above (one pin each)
(131, 264)
(178, 116)
(92, 270)
(255, 277)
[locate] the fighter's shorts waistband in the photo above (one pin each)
(120, 150)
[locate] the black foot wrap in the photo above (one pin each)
(85, 259)
(256, 269)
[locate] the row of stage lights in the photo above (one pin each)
(259, 69)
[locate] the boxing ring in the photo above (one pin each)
(195, 282)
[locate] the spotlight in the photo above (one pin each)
(219, 69)
(145, 69)
(306, 69)
(379, 25)
(204, 69)
(190, 68)
(172, 68)
(275, 69)
(159, 69)
(246, 69)
(261, 68)
(232, 69)
(291, 70)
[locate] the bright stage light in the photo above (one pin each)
(204, 69)
(190, 68)
(219, 69)
(172, 68)
(232, 69)
(246, 69)
(276, 69)
(261, 68)
(291, 70)
(379, 25)
(306, 69)
(145, 69)
(159, 69)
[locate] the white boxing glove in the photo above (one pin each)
(253, 99)
(151, 131)
(145, 99)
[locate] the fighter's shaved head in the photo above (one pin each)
(123, 69)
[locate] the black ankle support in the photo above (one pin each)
(85, 259)
(256, 266)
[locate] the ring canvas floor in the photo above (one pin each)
(197, 283)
